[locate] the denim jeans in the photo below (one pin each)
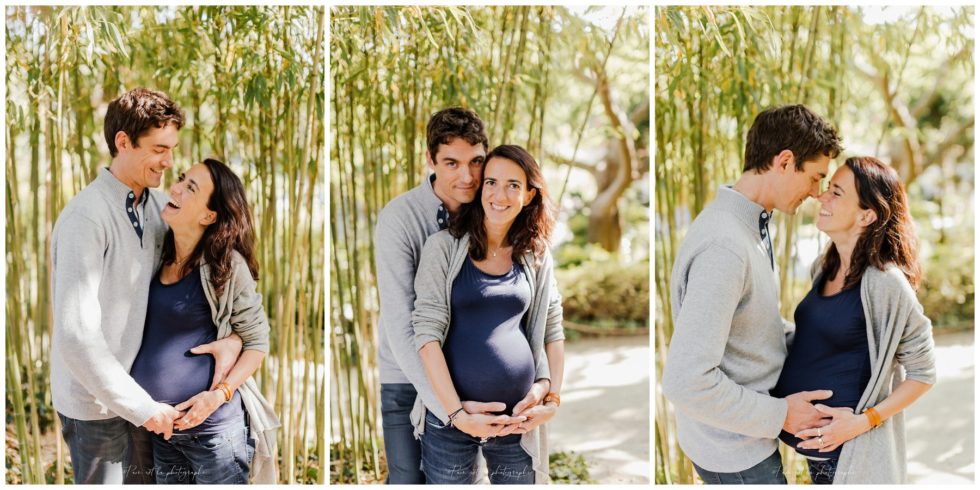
(822, 472)
(402, 450)
(450, 456)
(204, 459)
(98, 448)
(138, 466)
(768, 472)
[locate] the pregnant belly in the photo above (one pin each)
(173, 377)
(499, 368)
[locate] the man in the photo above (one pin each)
(456, 148)
(729, 339)
(105, 249)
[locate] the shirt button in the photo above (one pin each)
(135, 224)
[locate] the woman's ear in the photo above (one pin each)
(530, 196)
(868, 216)
(209, 218)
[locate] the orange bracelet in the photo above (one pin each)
(226, 390)
(873, 417)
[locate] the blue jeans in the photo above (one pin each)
(822, 472)
(450, 456)
(402, 450)
(98, 448)
(204, 459)
(768, 472)
(138, 467)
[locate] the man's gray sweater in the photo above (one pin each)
(403, 227)
(101, 272)
(729, 340)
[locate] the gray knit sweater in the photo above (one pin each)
(100, 280)
(729, 340)
(404, 225)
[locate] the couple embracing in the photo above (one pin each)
(471, 346)
(158, 326)
(833, 385)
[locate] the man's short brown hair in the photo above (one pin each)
(455, 122)
(790, 127)
(135, 112)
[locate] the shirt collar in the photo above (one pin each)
(441, 213)
(118, 190)
(747, 211)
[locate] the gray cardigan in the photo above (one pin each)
(239, 309)
(899, 339)
(442, 259)
(729, 340)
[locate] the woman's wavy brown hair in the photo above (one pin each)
(891, 238)
(530, 231)
(232, 230)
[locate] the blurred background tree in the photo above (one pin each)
(250, 81)
(570, 85)
(897, 83)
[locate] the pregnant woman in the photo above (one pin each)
(204, 290)
(487, 324)
(859, 322)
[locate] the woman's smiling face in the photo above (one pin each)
(505, 191)
(188, 206)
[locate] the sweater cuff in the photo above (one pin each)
(141, 414)
(424, 338)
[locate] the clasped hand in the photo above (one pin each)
(529, 413)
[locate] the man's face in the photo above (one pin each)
(458, 166)
(795, 186)
(146, 163)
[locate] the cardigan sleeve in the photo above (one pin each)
(553, 330)
(916, 349)
(430, 318)
(248, 318)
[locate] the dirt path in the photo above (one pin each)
(605, 408)
(940, 425)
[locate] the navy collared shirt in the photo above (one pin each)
(442, 214)
(137, 219)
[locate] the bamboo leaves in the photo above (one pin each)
(250, 83)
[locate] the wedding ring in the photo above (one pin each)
(818, 432)
(820, 440)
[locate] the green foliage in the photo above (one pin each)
(529, 71)
(606, 294)
(250, 81)
(898, 88)
(568, 468)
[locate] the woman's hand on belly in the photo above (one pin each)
(534, 396)
(199, 407)
(536, 415)
(846, 426)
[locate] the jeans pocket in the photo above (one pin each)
(433, 422)
(213, 442)
(67, 427)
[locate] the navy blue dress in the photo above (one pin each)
(486, 349)
(829, 352)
